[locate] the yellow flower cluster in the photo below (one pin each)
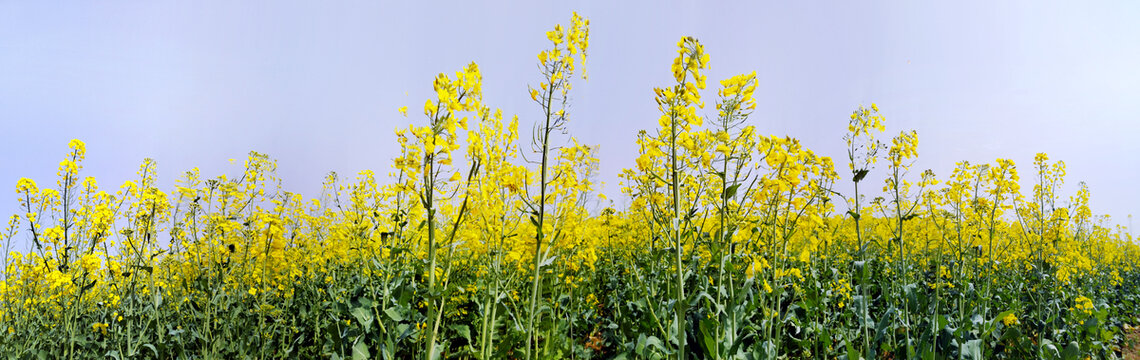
(1083, 305)
(1010, 320)
(841, 289)
(861, 132)
(903, 147)
(558, 62)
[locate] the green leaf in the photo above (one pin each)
(852, 353)
(644, 342)
(1048, 350)
(766, 350)
(157, 298)
(435, 354)
(1072, 351)
(972, 350)
(708, 333)
(87, 287)
(394, 315)
(365, 302)
(1011, 334)
(730, 192)
(360, 351)
(977, 321)
(463, 330)
(653, 341)
(151, 347)
(363, 316)
(547, 261)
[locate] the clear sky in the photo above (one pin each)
(317, 86)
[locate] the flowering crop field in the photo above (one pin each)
(734, 245)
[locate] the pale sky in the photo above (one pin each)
(317, 86)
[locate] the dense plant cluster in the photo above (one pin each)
(735, 245)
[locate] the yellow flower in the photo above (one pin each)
(67, 166)
(403, 110)
(26, 185)
(1010, 320)
(1084, 305)
(78, 146)
(91, 262)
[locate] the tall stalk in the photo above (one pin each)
(437, 140)
(532, 336)
(862, 149)
(557, 65)
(678, 106)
